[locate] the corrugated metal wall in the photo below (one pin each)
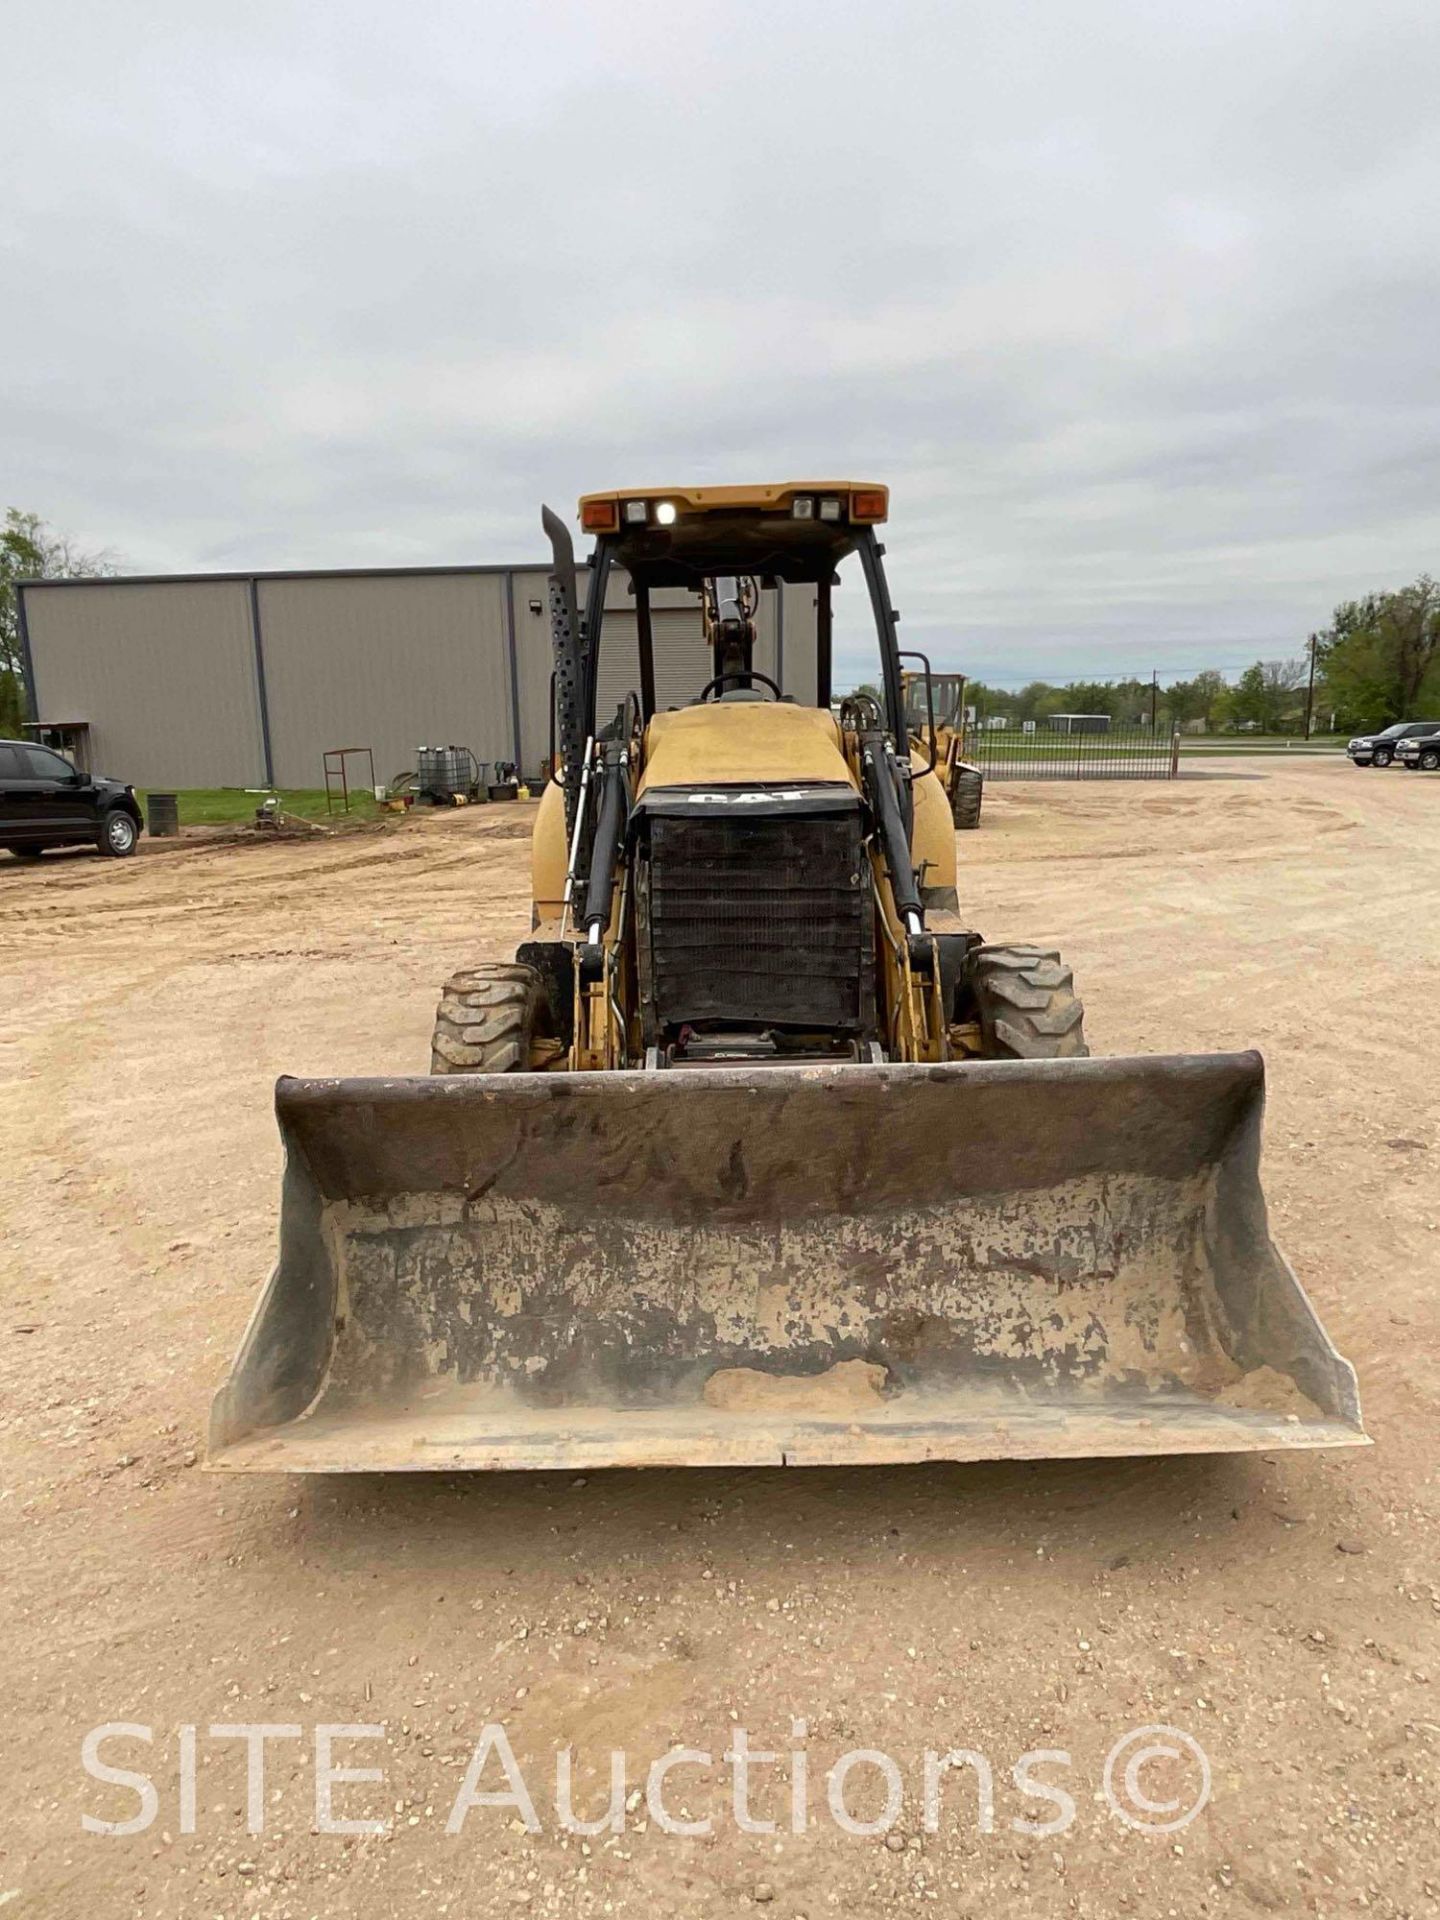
(531, 594)
(390, 663)
(166, 671)
(682, 662)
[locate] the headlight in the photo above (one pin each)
(1355, 743)
(665, 513)
(802, 507)
(636, 513)
(829, 509)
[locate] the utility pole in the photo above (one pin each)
(1310, 690)
(1154, 696)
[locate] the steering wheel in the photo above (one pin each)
(746, 675)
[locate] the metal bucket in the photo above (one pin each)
(793, 1266)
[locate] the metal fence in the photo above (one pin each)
(1119, 753)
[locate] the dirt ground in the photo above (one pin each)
(1285, 1613)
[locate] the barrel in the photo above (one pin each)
(162, 813)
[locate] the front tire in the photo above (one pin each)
(118, 835)
(488, 1019)
(965, 800)
(1025, 1001)
(1429, 760)
(1383, 757)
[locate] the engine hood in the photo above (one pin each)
(744, 744)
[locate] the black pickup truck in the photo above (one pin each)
(1420, 750)
(45, 801)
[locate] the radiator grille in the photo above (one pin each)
(764, 921)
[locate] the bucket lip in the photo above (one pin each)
(597, 1438)
(1238, 1070)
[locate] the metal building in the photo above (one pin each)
(245, 679)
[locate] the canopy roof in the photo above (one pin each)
(719, 530)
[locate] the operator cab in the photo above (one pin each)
(727, 546)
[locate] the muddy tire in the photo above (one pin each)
(1025, 1001)
(965, 800)
(487, 1019)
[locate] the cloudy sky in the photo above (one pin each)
(1135, 305)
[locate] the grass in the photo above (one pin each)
(995, 749)
(989, 748)
(231, 806)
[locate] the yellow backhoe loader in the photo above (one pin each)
(758, 1151)
(935, 720)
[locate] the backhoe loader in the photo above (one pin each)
(935, 721)
(758, 1151)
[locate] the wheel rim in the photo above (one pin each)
(120, 832)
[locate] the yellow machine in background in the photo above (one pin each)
(935, 716)
(757, 1151)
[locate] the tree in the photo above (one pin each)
(1380, 656)
(1036, 701)
(1263, 697)
(1283, 681)
(988, 700)
(31, 550)
(1247, 698)
(1201, 699)
(1211, 693)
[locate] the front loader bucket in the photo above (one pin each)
(792, 1265)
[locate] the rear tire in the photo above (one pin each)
(487, 1019)
(965, 800)
(1026, 1004)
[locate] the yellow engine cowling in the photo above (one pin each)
(765, 746)
(741, 745)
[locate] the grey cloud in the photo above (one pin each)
(1134, 307)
